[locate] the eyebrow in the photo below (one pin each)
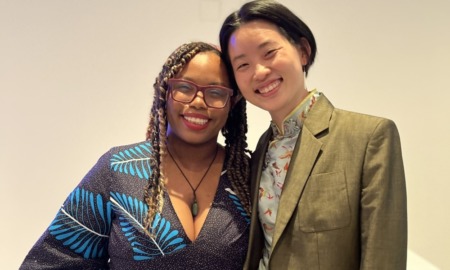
(260, 46)
(211, 83)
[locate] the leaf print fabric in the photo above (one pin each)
(133, 161)
(100, 225)
(132, 213)
(83, 224)
(238, 204)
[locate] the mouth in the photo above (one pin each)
(268, 88)
(196, 120)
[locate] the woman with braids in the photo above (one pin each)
(178, 200)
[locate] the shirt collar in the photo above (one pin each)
(293, 122)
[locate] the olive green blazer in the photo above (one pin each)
(343, 204)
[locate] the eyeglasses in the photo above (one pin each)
(215, 96)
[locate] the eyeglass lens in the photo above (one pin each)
(185, 91)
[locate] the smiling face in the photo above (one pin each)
(194, 122)
(268, 68)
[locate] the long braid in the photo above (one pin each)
(235, 131)
(157, 127)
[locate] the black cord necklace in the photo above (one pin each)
(194, 205)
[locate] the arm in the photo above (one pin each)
(383, 201)
(78, 237)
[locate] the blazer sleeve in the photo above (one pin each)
(383, 201)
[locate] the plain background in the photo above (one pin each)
(76, 78)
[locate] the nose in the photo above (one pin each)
(261, 72)
(199, 101)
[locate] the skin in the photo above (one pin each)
(192, 133)
(268, 68)
(195, 123)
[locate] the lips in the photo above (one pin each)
(269, 87)
(196, 120)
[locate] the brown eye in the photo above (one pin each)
(271, 52)
(241, 66)
(183, 87)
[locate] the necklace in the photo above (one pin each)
(194, 205)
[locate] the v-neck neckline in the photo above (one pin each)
(205, 223)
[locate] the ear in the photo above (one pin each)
(304, 50)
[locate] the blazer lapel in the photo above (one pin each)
(306, 152)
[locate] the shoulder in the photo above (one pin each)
(132, 160)
(359, 116)
(347, 114)
(119, 154)
(143, 146)
(341, 121)
(351, 117)
(361, 120)
(356, 127)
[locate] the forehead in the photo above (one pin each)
(255, 33)
(205, 68)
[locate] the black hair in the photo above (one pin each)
(289, 24)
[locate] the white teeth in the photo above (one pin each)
(197, 121)
(269, 88)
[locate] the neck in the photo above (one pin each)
(192, 155)
(279, 116)
(194, 187)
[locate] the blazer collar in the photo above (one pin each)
(318, 119)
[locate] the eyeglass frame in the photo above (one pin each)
(201, 88)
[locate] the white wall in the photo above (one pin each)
(76, 78)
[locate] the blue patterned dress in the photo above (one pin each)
(99, 225)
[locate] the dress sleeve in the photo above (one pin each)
(383, 201)
(78, 237)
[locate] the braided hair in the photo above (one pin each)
(234, 131)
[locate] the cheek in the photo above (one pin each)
(171, 111)
(223, 116)
(243, 81)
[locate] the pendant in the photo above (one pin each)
(194, 207)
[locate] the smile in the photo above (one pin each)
(196, 121)
(269, 87)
